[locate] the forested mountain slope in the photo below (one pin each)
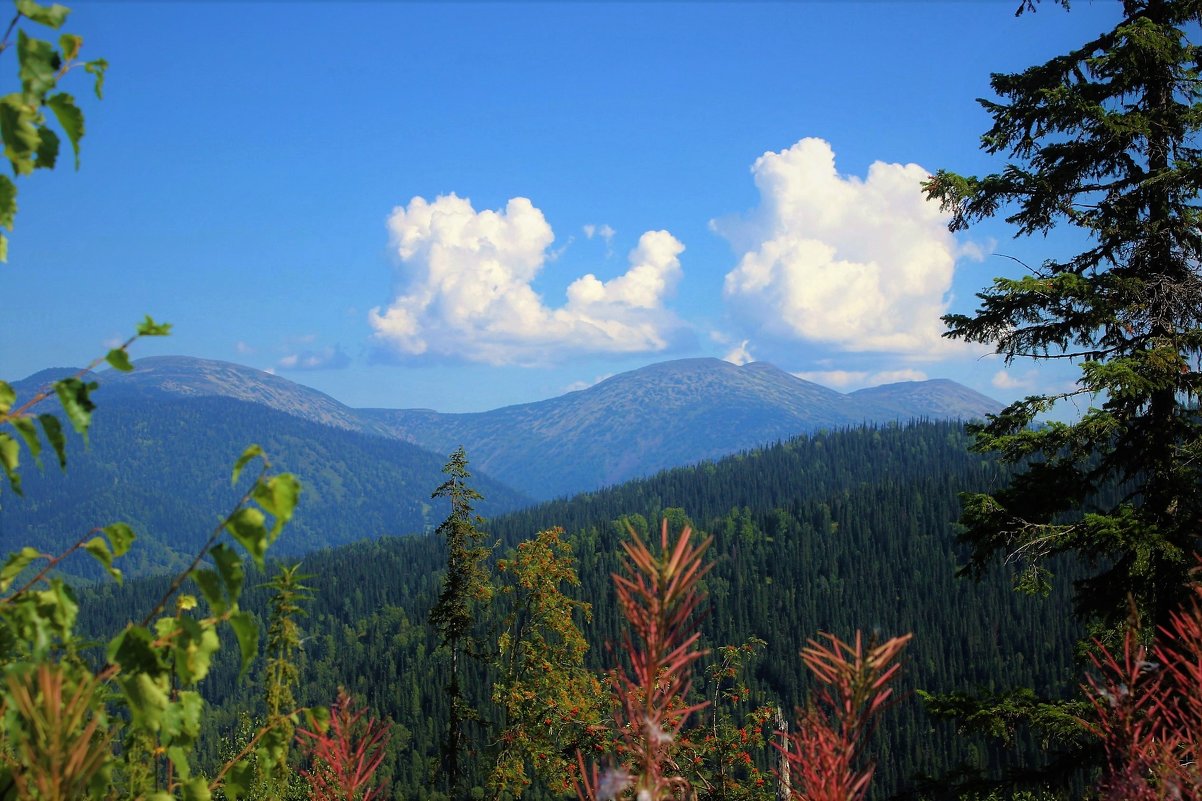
(633, 424)
(664, 415)
(162, 464)
(833, 532)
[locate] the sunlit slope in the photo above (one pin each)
(665, 415)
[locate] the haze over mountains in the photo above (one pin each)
(165, 435)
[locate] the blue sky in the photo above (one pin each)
(462, 206)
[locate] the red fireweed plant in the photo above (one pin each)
(1148, 711)
(822, 757)
(346, 756)
(658, 594)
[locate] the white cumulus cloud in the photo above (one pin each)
(861, 264)
(466, 289)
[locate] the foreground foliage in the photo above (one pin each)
(1148, 710)
(1103, 140)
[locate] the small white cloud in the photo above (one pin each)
(863, 264)
(557, 252)
(576, 386)
(857, 379)
(604, 231)
(243, 348)
(740, 354)
(330, 357)
(467, 291)
(894, 376)
(839, 379)
(1004, 379)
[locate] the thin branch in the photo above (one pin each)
(183, 576)
(1025, 266)
(48, 390)
(228, 766)
(52, 561)
(4, 43)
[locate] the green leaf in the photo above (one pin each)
(210, 587)
(97, 68)
(121, 536)
(29, 432)
(149, 328)
(134, 651)
(70, 117)
(8, 202)
(230, 568)
(119, 360)
(39, 63)
(77, 403)
(317, 719)
(19, 129)
(98, 547)
(247, 633)
(147, 700)
(53, 430)
(8, 397)
(179, 757)
(57, 609)
(246, 526)
(16, 563)
(53, 16)
(271, 751)
(196, 789)
(10, 457)
(247, 455)
(239, 779)
(69, 45)
(194, 650)
(47, 153)
(278, 496)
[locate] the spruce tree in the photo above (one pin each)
(465, 587)
(1104, 140)
(1101, 140)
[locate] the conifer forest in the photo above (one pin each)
(998, 609)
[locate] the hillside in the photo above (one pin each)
(832, 532)
(162, 464)
(368, 472)
(665, 415)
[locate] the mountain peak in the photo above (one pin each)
(631, 424)
(189, 376)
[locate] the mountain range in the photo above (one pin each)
(664, 415)
(165, 434)
(632, 424)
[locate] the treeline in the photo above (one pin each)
(832, 532)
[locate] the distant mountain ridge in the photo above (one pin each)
(664, 415)
(632, 424)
